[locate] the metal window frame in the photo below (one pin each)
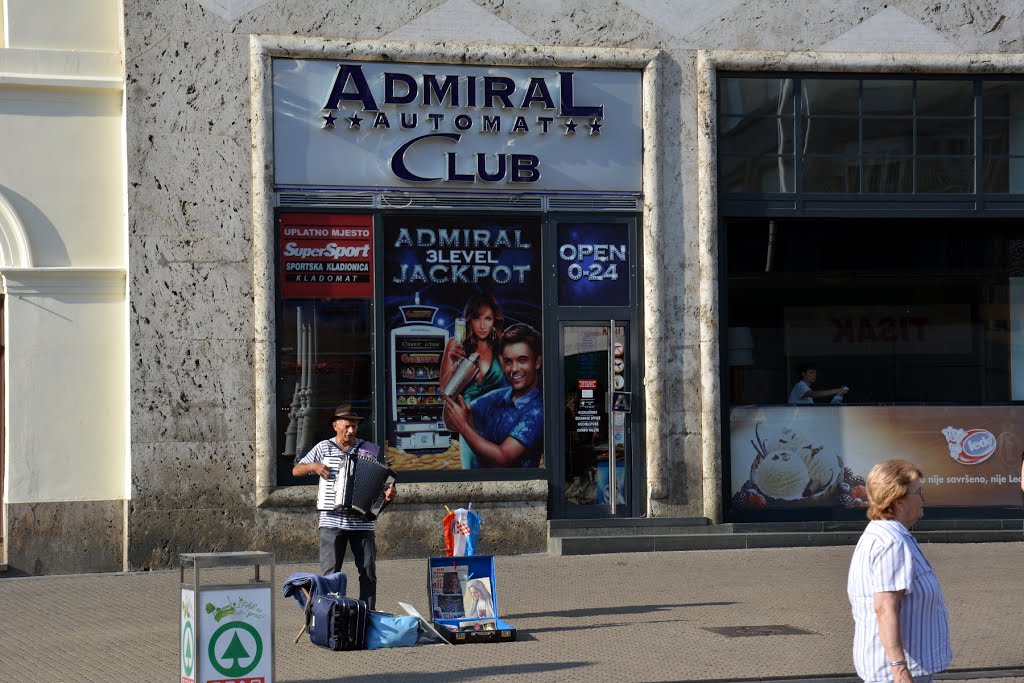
(978, 203)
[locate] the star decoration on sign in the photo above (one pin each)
(570, 127)
(329, 119)
(353, 121)
(595, 127)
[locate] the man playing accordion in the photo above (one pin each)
(344, 528)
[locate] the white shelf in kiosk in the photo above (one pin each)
(226, 627)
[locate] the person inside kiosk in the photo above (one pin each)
(505, 427)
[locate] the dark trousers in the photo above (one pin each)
(334, 542)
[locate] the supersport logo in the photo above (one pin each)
(969, 446)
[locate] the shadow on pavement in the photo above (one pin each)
(520, 635)
(602, 611)
(479, 673)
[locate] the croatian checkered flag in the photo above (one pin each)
(461, 530)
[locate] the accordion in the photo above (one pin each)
(357, 484)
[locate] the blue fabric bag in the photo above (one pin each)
(391, 630)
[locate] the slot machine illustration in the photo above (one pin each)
(416, 404)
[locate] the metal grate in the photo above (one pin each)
(427, 200)
(358, 200)
(593, 203)
(398, 200)
(751, 631)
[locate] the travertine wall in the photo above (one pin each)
(194, 469)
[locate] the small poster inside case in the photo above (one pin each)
(464, 600)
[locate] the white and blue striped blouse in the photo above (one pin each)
(888, 558)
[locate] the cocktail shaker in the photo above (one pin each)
(465, 372)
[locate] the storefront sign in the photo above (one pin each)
(819, 456)
(326, 256)
(453, 287)
(368, 124)
(593, 264)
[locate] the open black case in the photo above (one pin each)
(463, 597)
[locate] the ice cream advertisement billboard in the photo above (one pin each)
(818, 456)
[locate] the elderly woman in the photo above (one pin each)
(902, 627)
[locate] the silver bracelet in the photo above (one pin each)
(898, 662)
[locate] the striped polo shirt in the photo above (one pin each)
(348, 521)
(888, 558)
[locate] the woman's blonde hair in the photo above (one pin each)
(887, 483)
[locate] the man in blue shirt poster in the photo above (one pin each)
(505, 427)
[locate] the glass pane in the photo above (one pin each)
(831, 136)
(887, 174)
(945, 98)
(323, 360)
(996, 136)
(947, 137)
(586, 419)
(755, 96)
(755, 174)
(1001, 174)
(830, 96)
(749, 135)
(888, 136)
(945, 175)
(996, 175)
(1017, 175)
(831, 174)
(1003, 136)
(888, 97)
(1003, 98)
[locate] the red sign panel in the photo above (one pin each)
(326, 256)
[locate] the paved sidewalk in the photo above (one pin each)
(629, 617)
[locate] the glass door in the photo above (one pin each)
(595, 426)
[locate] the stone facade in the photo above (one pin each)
(197, 226)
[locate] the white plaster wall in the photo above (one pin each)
(65, 348)
(62, 172)
(62, 188)
(93, 25)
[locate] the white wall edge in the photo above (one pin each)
(64, 281)
(60, 81)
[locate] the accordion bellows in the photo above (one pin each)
(357, 484)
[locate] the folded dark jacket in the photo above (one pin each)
(315, 584)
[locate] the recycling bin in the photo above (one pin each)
(226, 631)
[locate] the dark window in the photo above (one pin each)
(902, 311)
(871, 135)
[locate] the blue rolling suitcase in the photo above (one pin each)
(337, 622)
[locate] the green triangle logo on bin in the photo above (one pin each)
(187, 656)
(229, 662)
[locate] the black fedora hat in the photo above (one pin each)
(345, 412)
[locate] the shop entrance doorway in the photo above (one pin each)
(594, 411)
